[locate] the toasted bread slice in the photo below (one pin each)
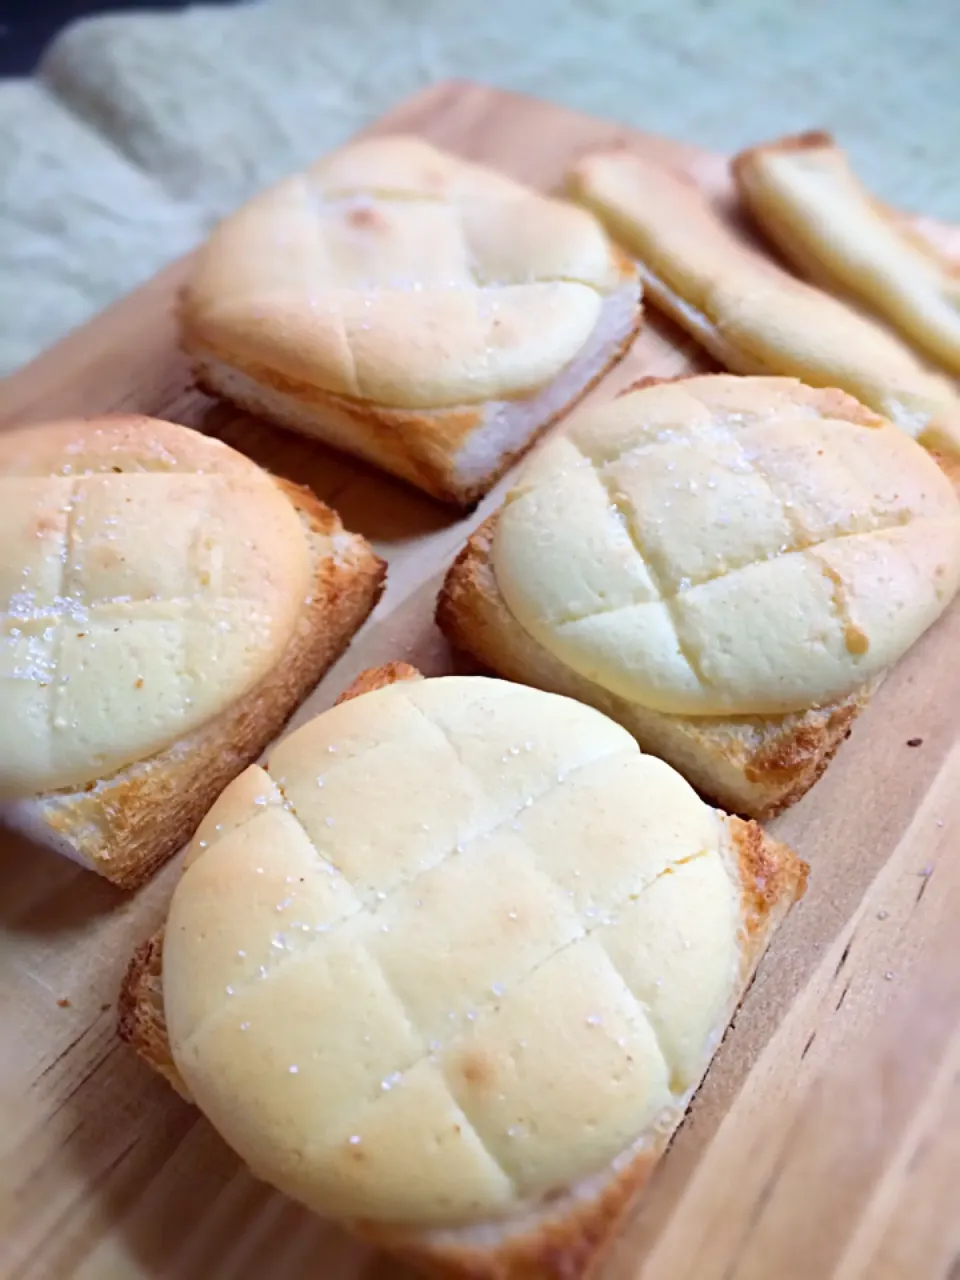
(753, 765)
(396, 302)
(126, 825)
(804, 195)
(554, 1240)
(750, 313)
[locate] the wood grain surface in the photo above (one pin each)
(825, 1142)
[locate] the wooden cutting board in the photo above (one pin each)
(825, 1142)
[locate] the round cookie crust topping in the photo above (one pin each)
(720, 545)
(149, 577)
(459, 945)
(396, 274)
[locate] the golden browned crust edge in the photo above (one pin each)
(140, 1019)
(554, 1249)
(415, 445)
(807, 140)
(375, 678)
(473, 616)
(129, 826)
(927, 234)
(772, 878)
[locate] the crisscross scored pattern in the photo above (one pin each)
(144, 585)
(462, 945)
(396, 273)
(729, 546)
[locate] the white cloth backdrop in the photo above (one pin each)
(140, 130)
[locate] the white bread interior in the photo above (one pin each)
(751, 314)
(555, 1239)
(125, 823)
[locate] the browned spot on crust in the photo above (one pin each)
(458, 582)
(834, 403)
(140, 1018)
(786, 756)
(378, 678)
(45, 524)
(856, 640)
(367, 218)
(624, 263)
(105, 558)
(649, 381)
(809, 140)
(949, 465)
(796, 760)
(769, 873)
(477, 1070)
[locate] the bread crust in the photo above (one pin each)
(749, 312)
(752, 765)
(417, 445)
(372, 326)
(852, 244)
(555, 1241)
(375, 678)
(929, 235)
(127, 825)
(140, 1020)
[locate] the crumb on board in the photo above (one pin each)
(63, 1003)
(914, 742)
